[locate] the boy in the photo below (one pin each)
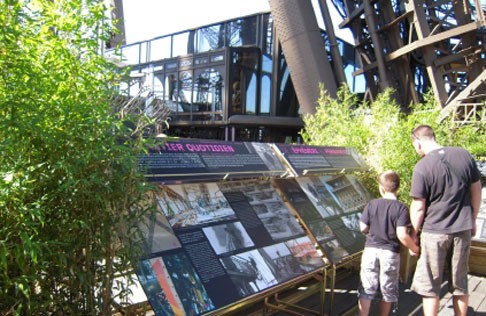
(385, 221)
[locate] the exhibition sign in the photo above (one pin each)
(238, 219)
(481, 219)
(306, 160)
(330, 208)
(197, 160)
(222, 243)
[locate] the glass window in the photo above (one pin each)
(123, 88)
(266, 86)
(171, 89)
(131, 54)
(143, 52)
(251, 93)
(287, 104)
(267, 34)
(136, 83)
(181, 44)
(266, 94)
(244, 80)
(243, 32)
(158, 85)
(160, 48)
(210, 38)
(208, 90)
(185, 87)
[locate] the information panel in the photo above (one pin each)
(481, 219)
(330, 208)
(306, 160)
(222, 242)
(203, 160)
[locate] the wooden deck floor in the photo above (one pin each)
(410, 304)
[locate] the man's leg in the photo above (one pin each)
(461, 303)
(459, 272)
(384, 308)
(364, 307)
(430, 305)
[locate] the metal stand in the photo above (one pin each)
(289, 305)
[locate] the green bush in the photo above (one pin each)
(70, 191)
(380, 132)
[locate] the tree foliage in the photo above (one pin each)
(380, 132)
(69, 186)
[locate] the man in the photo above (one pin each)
(446, 195)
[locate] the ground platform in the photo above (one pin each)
(345, 301)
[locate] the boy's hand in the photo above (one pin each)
(414, 253)
(415, 250)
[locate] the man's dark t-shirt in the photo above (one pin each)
(445, 186)
(383, 216)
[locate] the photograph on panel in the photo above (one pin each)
(188, 285)
(305, 252)
(194, 204)
(228, 237)
(333, 250)
(158, 287)
(346, 191)
(267, 154)
(480, 229)
(269, 207)
(321, 230)
(281, 262)
(481, 219)
(349, 238)
(249, 272)
(351, 221)
(320, 196)
(296, 196)
(254, 190)
(157, 233)
(278, 220)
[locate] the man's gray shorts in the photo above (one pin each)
(436, 252)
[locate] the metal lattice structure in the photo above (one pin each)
(417, 45)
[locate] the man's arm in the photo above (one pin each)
(475, 203)
(417, 213)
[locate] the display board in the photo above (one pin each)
(330, 207)
(307, 160)
(481, 219)
(214, 244)
(223, 233)
(187, 160)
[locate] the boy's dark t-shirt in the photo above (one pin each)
(383, 216)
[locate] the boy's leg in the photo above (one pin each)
(364, 307)
(389, 280)
(384, 308)
(369, 279)
(430, 305)
(460, 304)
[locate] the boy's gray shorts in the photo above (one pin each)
(380, 272)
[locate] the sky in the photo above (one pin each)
(147, 19)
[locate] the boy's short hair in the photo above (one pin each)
(390, 181)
